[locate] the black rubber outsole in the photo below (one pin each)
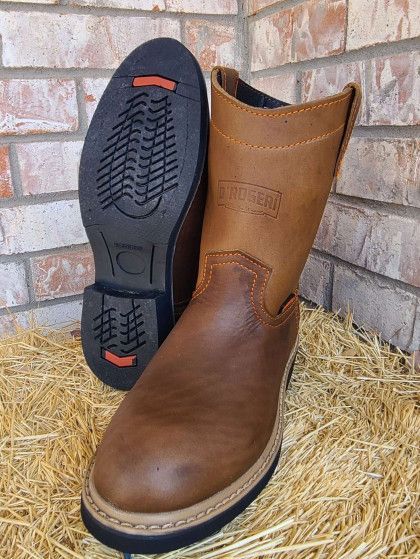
(141, 165)
(129, 544)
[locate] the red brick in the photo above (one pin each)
(13, 286)
(93, 89)
(378, 305)
(41, 227)
(34, 106)
(255, 6)
(387, 170)
(381, 21)
(60, 316)
(380, 242)
(318, 28)
(6, 188)
(202, 6)
(315, 281)
(59, 275)
(32, 1)
(271, 40)
(49, 166)
(181, 6)
(332, 79)
(394, 97)
(150, 5)
(212, 43)
(281, 87)
(74, 40)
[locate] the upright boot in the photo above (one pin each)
(200, 434)
(142, 205)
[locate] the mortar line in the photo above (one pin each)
(346, 25)
(278, 6)
(98, 11)
(36, 305)
(15, 174)
(390, 283)
(29, 280)
(54, 251)
(40, 199)
(368, 53)
(383, 131)
(390, 209)
(45, 73)
(330, 286)
(81, 107)
(244, 35)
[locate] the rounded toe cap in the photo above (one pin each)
(151, 477)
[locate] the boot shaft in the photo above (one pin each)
(271, 167)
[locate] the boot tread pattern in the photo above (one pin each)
(117, 329)
(140, 159)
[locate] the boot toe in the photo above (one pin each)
(159, 475)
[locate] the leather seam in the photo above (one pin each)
(201, 290)
(347, 135)
(220, 503)
(251, 294)
(236, 253)
(288, 146)
(280, 115)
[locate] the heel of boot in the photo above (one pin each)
(121, 332)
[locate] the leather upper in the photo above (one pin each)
(270, 173)
(203, 410)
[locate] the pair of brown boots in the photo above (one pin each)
(199, 435)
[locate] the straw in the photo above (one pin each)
(347, 485)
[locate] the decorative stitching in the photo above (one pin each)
(277, 324)
(200, 289)
(216, 254)
(227, 499)
(280, 115)
(258, 146)
(279, 320)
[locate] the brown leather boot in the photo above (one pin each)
(200, 434)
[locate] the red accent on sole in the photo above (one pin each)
(128, 361)
(141, 81)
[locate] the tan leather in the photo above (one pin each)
(270, 172)
(204, 414)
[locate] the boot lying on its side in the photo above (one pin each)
(199, 435)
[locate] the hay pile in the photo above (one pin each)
(347, 485)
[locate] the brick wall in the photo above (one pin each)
(366, 254)
(56, 57)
